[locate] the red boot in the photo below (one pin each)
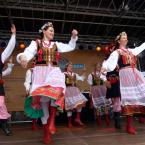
(78, 119)
(70, 122)
(99, 122)
(47, 136)
(34, 126)
(129, 128)
(107, 119)
(51, 120)
(141, 120)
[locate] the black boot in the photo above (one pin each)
(5, 127)
(117, 120)
(39, 123)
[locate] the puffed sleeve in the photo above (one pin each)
(89, 80)
(9, 49)
(80, 78)
(111, 62)
(8, 70)
(138, 50)
(103, 75)
(67, 47)
(29, 52)
(28, 79)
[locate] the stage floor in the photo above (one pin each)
(90, 135)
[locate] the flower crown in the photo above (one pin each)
(121, 34)
(69, 63)
(48, 24)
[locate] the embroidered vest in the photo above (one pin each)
(113, 76)
(96, 80)
(70, 80)
(126, 58)
(46, 55)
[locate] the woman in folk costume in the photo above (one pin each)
(28, 84)
(113, 88)
(98, 95)
(132, 82)
(4, 115)
(74, 99)
(48, 85)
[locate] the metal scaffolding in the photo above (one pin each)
(98, 21)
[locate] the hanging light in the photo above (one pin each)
(22, 45)
(98, 48)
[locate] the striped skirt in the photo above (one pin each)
(74, 98)
(100, 102)
(132, 87)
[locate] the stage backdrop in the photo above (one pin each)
(15, 91)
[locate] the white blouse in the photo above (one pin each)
(8, 70)
(103, 76)
(112, 61)
(31, 50)
(78, 77)
(9, 49)
(28, 80)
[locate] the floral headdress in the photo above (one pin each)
(67, 64)
(48, 24)
(121, 34)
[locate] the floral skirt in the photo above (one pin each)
(47, 83)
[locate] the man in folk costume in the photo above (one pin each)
(113, 88)
(132, 82)
(48, 85)
(74, 99)
(98, 95)
(4, 55)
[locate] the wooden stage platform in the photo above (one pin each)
(90, 135)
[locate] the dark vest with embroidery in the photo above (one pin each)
(2, 91)
(113, 78)
(123, 61)
(96, 80)
(70, 80)
(47, 55)
(126, 59)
